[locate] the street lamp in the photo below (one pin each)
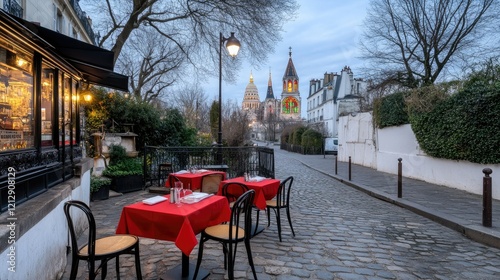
(233, 46)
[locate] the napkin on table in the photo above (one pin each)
(257, 179)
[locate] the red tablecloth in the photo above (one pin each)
(192, 179)
(264, 190)
(167, 221)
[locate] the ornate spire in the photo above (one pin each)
(270, 94)
(290, 52)
(269, 83)
(251, 77)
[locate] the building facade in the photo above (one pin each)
(43, 73)
(251, 102)
(290, 95)
(331, 97)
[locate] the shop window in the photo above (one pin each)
(47, 104)
(64, 111)
(16, 99)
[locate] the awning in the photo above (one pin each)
(96, 64)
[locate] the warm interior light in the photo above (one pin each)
(87, 97)
(233, 45)
(20, 62)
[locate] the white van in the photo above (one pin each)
(331, 145)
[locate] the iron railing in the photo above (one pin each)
(235, 161)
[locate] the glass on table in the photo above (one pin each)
(177, 192)
(186, 190)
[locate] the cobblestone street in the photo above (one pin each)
(341, 233)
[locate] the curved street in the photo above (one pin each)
(341, 233)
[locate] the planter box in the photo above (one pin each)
(101, 194)
(128, 183)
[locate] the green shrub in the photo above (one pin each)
(98, 182)
(125, 167)
(297, 135)
(312, 139)
(464, 126)
(117, 153)
(390, 110)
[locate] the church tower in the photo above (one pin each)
(271, 104)
(290, 96)
(251, 102)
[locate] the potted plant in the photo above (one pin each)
(99, 188)
(125, 172)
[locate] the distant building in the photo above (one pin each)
(251, 102)
(331, 97)
(290, 96)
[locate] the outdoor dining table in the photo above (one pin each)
(180, 224)
(192, 179)
(265, 189)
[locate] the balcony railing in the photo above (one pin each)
(83, 19)
(13, 8)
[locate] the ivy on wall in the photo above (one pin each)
(451, 121)
(390, 110)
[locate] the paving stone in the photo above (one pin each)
(341, 232)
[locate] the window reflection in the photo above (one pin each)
(47, 101)
(16, 99)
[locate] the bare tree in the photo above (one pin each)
(235, 125)
(194, 25)
(152, 67)
(191, 100)
(414, 42)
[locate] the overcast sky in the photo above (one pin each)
(324, 38)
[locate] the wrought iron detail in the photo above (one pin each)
(13, 8)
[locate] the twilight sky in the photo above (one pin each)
(324, 38)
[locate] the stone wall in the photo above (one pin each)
(41, 231)
(381, 148)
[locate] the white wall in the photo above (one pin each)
(41, 252)
(382, 150)
(356, 140)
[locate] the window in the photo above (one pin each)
(16, 99)
(47, 104)
(58, 20)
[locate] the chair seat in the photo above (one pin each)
(222, 232)
(273, 203)
(111, 244)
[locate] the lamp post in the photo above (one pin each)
(233, 46)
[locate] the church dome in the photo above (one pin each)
(251, 98)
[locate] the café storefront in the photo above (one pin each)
(42, 74)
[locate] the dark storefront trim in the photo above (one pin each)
(40, 166)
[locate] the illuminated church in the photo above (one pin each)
(265, 116)
(290, 96)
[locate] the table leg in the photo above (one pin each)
(185, 270)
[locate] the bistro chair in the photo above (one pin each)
(164, 169)
(102, 249)
(210, 182)
(282, 200)
(232, 191)
(172, 179)
(230, 234)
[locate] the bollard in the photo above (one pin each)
(349, 168)
(336, 164)
(400, 178)
(487, 197)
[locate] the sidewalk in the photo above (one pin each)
(453, 208)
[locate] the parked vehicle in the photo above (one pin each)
(331, 145)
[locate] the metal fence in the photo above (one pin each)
(235, 161)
